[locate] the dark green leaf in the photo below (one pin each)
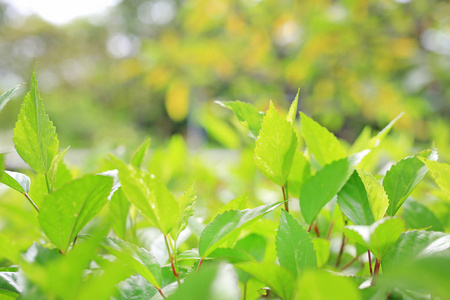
(34, 135)
(65, 212)
(319, 189)
(353, 201)
(275, 147)
(294, 246)
(224, 225)
(403, 177)
(418, 216)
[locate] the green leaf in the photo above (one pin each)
(280, 280)
(9, 284)
(403, 177)
(275, 147)
(2, 165)
(300, 172)
(186, 203)
(439, 171)
(292, 113)
(52, 172)
(150, 196)
(218, 282)
(139, 156)
(426, 275)
(135, 287)
(294, 246)
(34, 135)
(246, 114)
(353, 201)
(322, 248)
(17, 181)
(254, 244)
(319, 189)
(418, 216)
(415, 244)
(66, 211)
(378, 237)
(118, 212)
(231, 255)
(220, 131)
(224, 225)
(139, 259)
(376, 140)
(321, 143)
(378, 200)
(6, 96)
(239, 203)
(322, 285)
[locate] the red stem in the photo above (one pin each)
(161, 293)
(316, 229)
(349, 263)
(376, 271)
(341, 251)
(329, 230)
(370, 262)
(199, 264)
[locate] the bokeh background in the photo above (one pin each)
(154, 67)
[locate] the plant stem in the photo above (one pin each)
(316, 229)
(329, 230)
(349, 263)
(244, 297)
(310, 226)
(341, 251)
(161, 293)
(284, 189)
(47, 183)
(175, 273)
(370, 262)
(199, 264)
(31, 201)
(376, 270)
(74, 241)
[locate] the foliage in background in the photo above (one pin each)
(151, 65)
(297, 214)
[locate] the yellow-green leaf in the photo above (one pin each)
(34, 135)
(275, 147)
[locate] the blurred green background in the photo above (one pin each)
(153, 68)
